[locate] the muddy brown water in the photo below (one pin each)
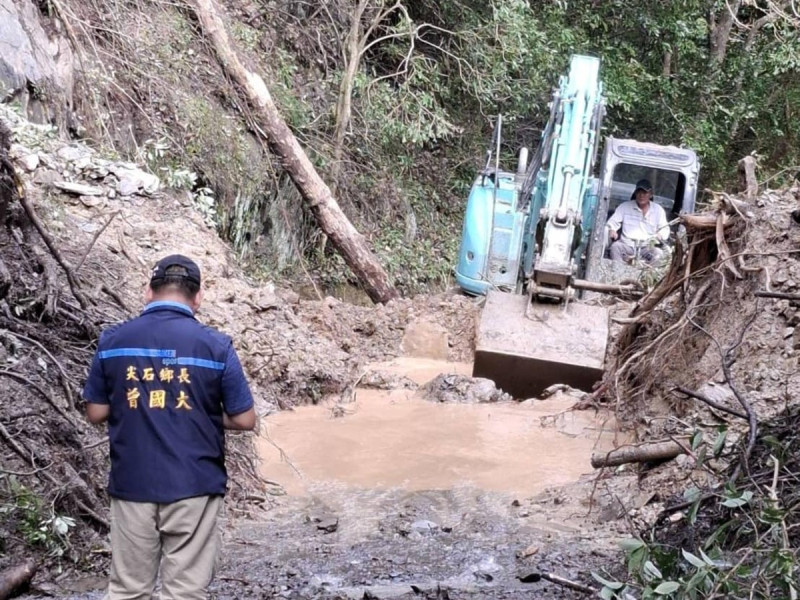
(397, 439)
(399, 494)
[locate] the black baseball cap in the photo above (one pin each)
(176, 265)
(644, 184)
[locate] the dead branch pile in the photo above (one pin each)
(715, 347)
(53, 461)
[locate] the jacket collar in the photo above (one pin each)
(168, 305)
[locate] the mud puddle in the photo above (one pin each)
(400, 497)
(397, 439)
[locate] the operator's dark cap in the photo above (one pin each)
(644, 184)
(176, 265)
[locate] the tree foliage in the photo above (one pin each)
(718, 76)
(673, 72)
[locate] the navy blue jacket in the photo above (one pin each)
(168, 380)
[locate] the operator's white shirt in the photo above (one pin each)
(637, 226)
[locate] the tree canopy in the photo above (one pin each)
(718, 76)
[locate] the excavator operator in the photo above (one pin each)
(638, 226)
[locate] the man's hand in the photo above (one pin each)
(613, 235)
(97, 413)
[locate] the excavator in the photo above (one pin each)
(535, 242)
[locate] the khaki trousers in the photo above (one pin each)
(182, 538)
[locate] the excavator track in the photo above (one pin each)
(525, 348)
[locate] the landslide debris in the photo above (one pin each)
(79, 236)
(707, 326)
(709, 359)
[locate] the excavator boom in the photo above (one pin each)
(526, 342)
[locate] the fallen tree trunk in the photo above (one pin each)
(639, 453)
(317, 195)
(703, 221)
(13, 578)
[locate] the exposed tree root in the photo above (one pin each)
(674, 324)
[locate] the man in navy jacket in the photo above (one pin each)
(168, 387)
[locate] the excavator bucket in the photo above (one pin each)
(525, 348)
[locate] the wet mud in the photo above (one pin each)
(396, 496)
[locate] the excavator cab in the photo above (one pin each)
(534, 240)
(673, 172)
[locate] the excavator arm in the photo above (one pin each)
(540, 230)
(575, 134)
(526, 342)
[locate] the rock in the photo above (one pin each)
(83, 164)
(79, 189)
(264, 298)
(719, 393)
(132, 180)
(29, 162)
(423, 526)
(290, 297)
(91, 201)
(644, 498)
(528, 552)
(73, 153)
(381, 380)
(31, 60)
(462, 389)
(46, 177)
(127, 187)
(563, 389)
(26, 158)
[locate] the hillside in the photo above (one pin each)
(121, 140)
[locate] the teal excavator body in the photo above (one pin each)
(533, 238)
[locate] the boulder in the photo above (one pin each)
(35, 69)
